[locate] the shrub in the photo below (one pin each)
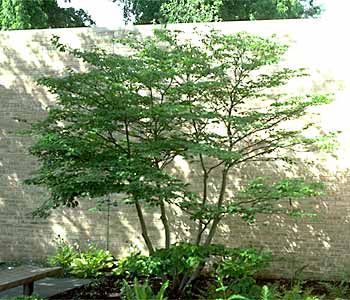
(173, 262)
(177, 264)
(297, 293)
(92, 263)
(241, 263)
(135, 265)
(270, 293)
(64, 256)
(235, 273)
(180, 259)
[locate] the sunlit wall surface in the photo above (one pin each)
(318, 244)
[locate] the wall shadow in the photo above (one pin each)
(314, 247)
(317, 245)
(25, 56)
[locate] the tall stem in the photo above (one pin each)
(166, 225)
(217, 219)
(144, 230)
(108, 223)
(204, 200)
(140, 215)
(230, 134)
(163, 216)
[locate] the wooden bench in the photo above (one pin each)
(25, 276)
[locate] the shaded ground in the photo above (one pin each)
(100, 289)
(46, 287)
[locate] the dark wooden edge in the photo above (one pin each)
(28, 289)
(25, 279)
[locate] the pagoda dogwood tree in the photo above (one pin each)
(118, 126)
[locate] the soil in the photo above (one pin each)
(109, 289)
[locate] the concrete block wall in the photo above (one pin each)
(318, 245)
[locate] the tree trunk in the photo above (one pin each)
(137, 204)
(144, 228)
(195, 274)
(166, 225)
(217, 219)
(204, 200)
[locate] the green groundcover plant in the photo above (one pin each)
(117, 127)
(229, 274)
(33, 297)
(234, 268)
(142, 291)
(91, 263)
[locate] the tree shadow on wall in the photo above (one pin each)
(315, 245)
(25, 57)
(311, 244)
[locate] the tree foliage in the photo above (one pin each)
(184, 11)
(34, 14)
(178, 11)
(118, 127)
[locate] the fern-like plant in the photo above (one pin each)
(142, 291)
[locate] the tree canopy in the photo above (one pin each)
(177, 11)
(36, 14)
(118, 126)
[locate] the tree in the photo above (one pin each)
(34, 14)
(184, 11)
(177, 11)
(118, 126)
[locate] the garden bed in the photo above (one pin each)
(109, 288)
(185, 271)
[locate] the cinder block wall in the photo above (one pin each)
(319, 246)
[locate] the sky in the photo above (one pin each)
(104, 12)
(108, 14)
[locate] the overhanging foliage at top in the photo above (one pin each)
(188, 11)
